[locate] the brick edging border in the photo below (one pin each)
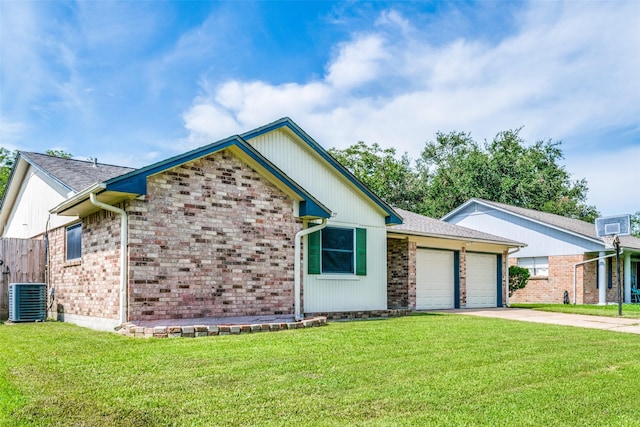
(132, 330)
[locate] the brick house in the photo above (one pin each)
(562, 254)
(217, 231)
(263, 223)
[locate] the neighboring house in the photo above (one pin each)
(436, 265)
(562, 254)
(37, 183)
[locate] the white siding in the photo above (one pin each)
(336, 292)
(326, 293)
(30, 211)
(541, 240)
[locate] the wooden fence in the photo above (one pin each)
(23, 261)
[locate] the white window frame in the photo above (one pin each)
(537, 266)
(353, 250)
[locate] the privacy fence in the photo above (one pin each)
(23, 261)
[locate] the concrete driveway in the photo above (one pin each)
(617, 324)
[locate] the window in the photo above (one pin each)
(74, 241)
(334, 250)
(538, 266)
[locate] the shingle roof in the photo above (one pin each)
(74, 174)
(573, 225)
(422, 225)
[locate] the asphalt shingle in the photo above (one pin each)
(422, 225)
(75, 174)
(573, 225)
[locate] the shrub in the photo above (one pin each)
(518, 278)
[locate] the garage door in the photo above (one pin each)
(434, 279)
(482, 272)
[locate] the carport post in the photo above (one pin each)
(575, 268)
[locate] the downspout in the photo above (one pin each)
(297, 266)
(124, 249)
(506, 294)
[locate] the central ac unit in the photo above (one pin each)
(27, 302)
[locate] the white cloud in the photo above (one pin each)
(358, 62)
(568, 69)
(10, 133)
(612, 177)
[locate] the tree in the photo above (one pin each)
(505, 170)
(7, 159)
(635, 224)
(394, 180)
(59, 153)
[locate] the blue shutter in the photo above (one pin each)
(313, 253)
(361, 251)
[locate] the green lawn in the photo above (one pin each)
(438, 369)
(610, 310)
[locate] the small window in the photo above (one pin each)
(337, 250)
(537, 266)
(74, 241)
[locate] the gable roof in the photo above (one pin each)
(134, 183)
(420, 225)
(71, 173)
(573, 226)
(392, 216)
(64, 175)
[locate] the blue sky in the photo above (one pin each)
(131, 83)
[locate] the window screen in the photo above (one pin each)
(74, 241)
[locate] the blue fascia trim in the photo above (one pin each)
(391, 219)
(499, 280)
(135, 182)
(456, 279)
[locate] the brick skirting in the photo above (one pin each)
(132, 330)
(373, 314)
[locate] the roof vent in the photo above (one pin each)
(95, 162)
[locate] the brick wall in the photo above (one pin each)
(561, 271)
(398, 271)
(90, 287)
(211, 238)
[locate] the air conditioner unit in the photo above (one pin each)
(27, 302)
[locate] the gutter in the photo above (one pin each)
(124, 250)
(297, 266)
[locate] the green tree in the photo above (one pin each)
(505, 170)
(394, 180)
(59, 153)
(7, 159)
(635, 224)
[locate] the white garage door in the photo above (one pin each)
(434, 279)
(482, 272)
